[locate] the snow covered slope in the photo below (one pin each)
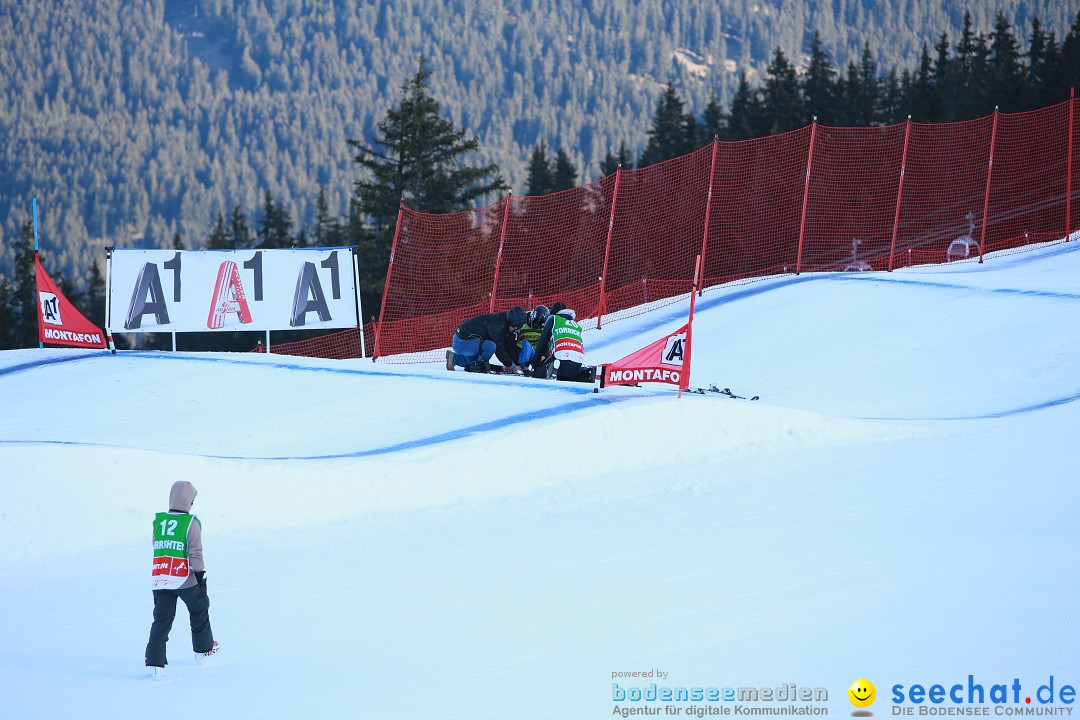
(403, 542)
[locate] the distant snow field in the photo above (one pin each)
(396, 541)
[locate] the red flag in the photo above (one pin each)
(665, 361)
(59, 323)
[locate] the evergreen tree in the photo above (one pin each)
(95, 295)
(7, 314)
(1005, 77)
(1070, 56)
(612, 162)
(276, 229)
(1054, 87)
(965, 48)
(783, 101)
(540, 178)
(1034, 85)
(417, 158)
(177, 241)
(326, 226)
(819, 85)
(219, 236)
(865, 90)
(965, 96)
(947, 79)
(746, 116)
(564, 175)
(923, 99)
(850, 88)
(672, 131)
(239, 232)
(23, 292)
(891, 104)
(712, 121)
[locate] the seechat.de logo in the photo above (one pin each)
(862, 695)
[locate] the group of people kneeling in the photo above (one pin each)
(540, 343)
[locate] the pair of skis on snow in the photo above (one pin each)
(711, 390)
(725, 391)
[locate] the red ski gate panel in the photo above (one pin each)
(815, 199)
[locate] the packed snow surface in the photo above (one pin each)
(396, 541)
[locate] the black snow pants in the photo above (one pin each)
(202, 637)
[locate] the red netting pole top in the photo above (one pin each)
(607, 250)
(806, 194)
(442, 274)
(899, 193)
(1069, 166)
(499, 254)
(386, 285)
(553, 248)
(989, 179)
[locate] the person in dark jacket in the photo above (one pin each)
(482, 336)
(179, 573)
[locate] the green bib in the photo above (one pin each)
(170, 569)
(566, 339)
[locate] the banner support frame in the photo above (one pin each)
(108, 298)
(359, 303)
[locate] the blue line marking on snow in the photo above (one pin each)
(453, 434)
(22, 367)
(704, 303)
(993, 415)
(437, 439)
(850, 277)
(575, 389)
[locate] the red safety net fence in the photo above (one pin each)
(817, 199)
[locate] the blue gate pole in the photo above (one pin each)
(40, 344)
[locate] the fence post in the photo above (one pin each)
(386, 285)
(708, 209)
(607, 248)
(498, 256)
(806, 194)
(989, 176)
(1068, 179)
(899, 192)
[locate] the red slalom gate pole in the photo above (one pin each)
(708, 208)
(989, 177)
(806, 194)
(1068, 178)
(498, 257)
(899, 193)
(607, 248)
(685, 383)
(386, 285)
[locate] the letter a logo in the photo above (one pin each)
(50, 308)
(308, 297)
(147, 299)
(229, 297)
(674, 349)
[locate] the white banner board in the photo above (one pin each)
(229, 290)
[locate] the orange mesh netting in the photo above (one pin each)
(815, 199)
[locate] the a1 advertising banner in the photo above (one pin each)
(664, 361)
(59, 323)
(228, 290)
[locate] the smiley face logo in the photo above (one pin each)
(862, 693)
